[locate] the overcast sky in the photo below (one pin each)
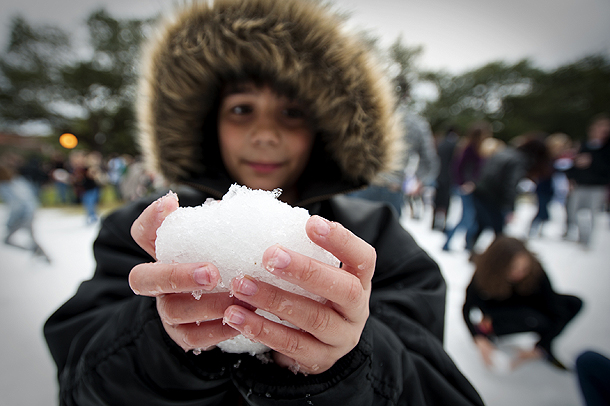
(456, 35)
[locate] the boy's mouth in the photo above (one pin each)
(261, 167)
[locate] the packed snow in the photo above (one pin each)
(33, 289)
(233, 233)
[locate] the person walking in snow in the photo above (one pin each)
(589, 177)
(20, 196)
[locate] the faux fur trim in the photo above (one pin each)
(301, 45)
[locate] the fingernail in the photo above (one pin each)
(246, 286)
(321, 226)
(234, 316)
(202, 276)
(279, 260)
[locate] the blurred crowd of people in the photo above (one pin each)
(549, 166)
(80, 178)
(510, 292)
(77, 179)
(489, 175)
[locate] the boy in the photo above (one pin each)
(266, 94)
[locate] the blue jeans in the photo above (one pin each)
(487, 216)
(62, 192)
(90, 199)
(593, 372)
(467, 220)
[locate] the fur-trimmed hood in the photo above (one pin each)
(299, 45)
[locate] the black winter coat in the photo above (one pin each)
(500, 176)
(596, 174)
(111, 349)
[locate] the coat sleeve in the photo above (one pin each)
(109, 345)
(400, 357)
(473, 301)
(513, 171)
(111, 349)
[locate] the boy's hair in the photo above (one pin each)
(297, 46)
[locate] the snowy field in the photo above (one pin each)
(32, 290)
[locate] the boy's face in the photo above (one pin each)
(265, 139)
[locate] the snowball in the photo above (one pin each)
(232, 234)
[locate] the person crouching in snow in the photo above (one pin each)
(514, 294)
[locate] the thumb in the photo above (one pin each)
(144, 228)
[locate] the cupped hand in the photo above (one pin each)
(325, 331)
(193, 324)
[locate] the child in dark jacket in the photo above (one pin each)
(512, 293)
(268, 95)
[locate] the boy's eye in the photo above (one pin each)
(294, 112)
(241, 109)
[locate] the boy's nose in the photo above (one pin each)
(266, 131)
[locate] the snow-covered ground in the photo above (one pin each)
(32, 290)
(571, 269)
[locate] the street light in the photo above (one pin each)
(68, 140)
